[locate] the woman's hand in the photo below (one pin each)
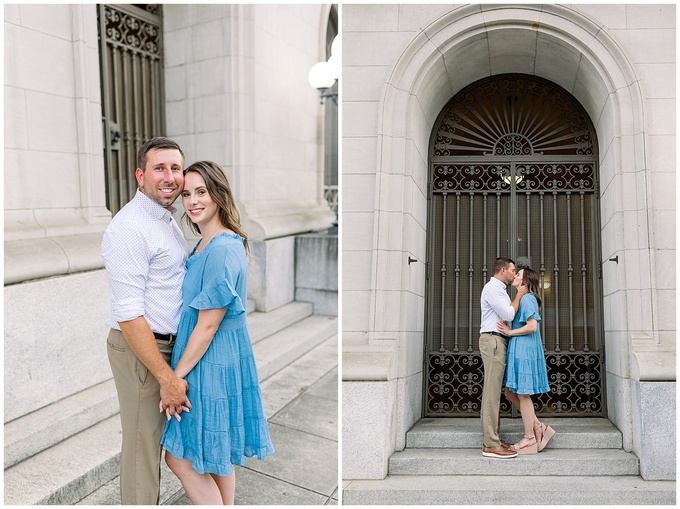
(169, 413)
(504, 328)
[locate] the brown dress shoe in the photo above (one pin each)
(498, 452)
(506, 444)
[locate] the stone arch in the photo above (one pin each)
(463, 46)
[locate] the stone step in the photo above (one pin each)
(32, 433)
(284, 386)
(508, 490)
(466, 433)
(558, 462)
(262, 325)
(68, 471)
(109, 493)
(279, 350)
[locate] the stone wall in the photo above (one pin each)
(53, 152)
(55, 339)
(316, 271)
(237, 94)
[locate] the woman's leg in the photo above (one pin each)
(512, 398)
(227, 486)
(201, 488)
(528, 418)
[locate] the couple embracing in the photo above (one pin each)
(512, 354)
(179, 346)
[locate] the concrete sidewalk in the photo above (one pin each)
(302, 402)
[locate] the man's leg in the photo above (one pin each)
(492, 349)
(141, 421)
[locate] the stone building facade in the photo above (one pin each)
(402, 64)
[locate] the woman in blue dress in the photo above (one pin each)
(213, 353)
(525, 372)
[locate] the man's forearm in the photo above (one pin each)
(515, 302)
(140, 337)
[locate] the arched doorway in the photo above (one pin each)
(513, 172)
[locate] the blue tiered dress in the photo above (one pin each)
(227, 422)
(526, 372)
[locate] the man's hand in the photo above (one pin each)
(170, 411)
(174, 398)
(504, 328)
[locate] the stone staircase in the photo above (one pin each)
(442, 464)
(68, 452)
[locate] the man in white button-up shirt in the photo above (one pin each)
(145, 255)
(496, 307)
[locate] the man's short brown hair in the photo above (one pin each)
(157, 143)
(501, 263)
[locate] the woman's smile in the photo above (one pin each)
(196, 200)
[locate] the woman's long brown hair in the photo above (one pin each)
(531, 280)
(220, 191)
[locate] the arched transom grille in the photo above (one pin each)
(513, 116)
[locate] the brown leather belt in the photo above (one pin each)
(496, 334)
(165, 337)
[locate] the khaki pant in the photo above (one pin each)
(493, 349)
(141, 421)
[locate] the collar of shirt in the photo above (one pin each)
(500, 284)
(155, 209)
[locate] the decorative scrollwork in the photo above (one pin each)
(154, 9)
(132, 32)
(455, 383)
(470, 177)
(513, 145)
(575, 380)
(556, 177)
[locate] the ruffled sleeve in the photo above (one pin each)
(220, 280)
(528, 308)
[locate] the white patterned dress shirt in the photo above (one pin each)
(496, 306)
(145, 257)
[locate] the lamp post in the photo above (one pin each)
(323, 75)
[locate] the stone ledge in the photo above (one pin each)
(270, 220)
(650, 360)
(372, 364)
(656, 366)
(36, 258)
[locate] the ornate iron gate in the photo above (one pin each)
(130, 51)
(514, 173)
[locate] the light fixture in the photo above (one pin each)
(323, 75)
(507, 179)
